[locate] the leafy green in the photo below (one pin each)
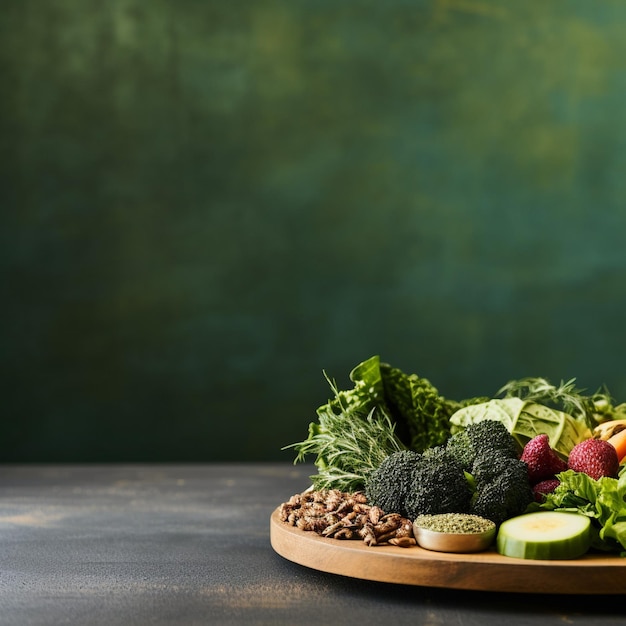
(418, 408)
(419, 413)
(602, 500)
(368, 391)
(525, 420)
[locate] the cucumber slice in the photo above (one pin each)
(545, 535)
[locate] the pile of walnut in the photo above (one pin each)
(338, 515)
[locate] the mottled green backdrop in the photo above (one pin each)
(205, 204)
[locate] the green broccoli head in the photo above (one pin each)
(502, 486)
(479, 439)
(438, 485)
(387, 486)
(476, 471)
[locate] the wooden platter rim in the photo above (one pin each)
(595, 573)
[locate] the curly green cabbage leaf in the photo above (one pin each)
(525, 420)
(421, 416)
(367, 393)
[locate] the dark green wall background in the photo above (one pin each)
(205, 204)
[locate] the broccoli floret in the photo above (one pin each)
(387, 486)
(460, 448)
(479, 472)
(502, 486)
(438, 485)
(421, 413)
(482, 438)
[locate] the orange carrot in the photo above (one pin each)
(618, 441)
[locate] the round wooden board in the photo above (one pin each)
(483, 571)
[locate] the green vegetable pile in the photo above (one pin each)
(394, 436)
(388, 410)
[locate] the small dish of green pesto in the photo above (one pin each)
(454, 532)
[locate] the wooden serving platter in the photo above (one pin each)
(483, 571)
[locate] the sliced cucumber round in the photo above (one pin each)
(545, 535)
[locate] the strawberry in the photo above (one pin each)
(543, 462)
(594, 457)
(543, 487)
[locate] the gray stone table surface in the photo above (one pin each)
(189, 544)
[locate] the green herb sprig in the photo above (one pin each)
(565, 397)
(347, 446)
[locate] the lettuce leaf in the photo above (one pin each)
(602, 500)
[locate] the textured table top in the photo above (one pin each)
(189, 544)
